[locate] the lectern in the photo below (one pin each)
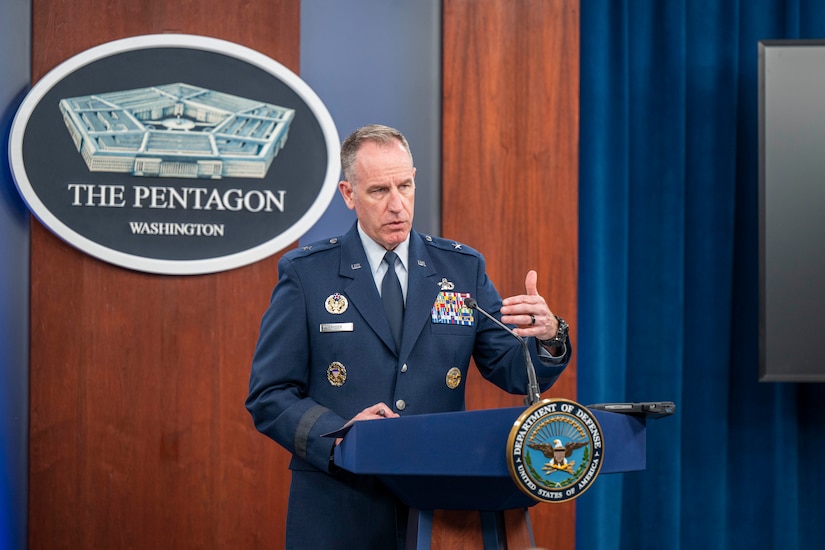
(458, 461)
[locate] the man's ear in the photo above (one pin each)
(347, 192)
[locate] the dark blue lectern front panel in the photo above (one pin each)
(458, 461)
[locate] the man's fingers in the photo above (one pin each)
(530, 283)
(381, 409)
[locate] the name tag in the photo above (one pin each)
(336, 327)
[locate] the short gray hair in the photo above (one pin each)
(375, 133)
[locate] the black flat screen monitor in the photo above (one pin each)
(792, 210)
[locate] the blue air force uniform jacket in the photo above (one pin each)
(326, 352)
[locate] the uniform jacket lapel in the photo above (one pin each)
(361, 290)
(422, 290)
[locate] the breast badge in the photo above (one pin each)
(336, 374)
(453, 378)
(336, 304)
(554, 451)
(446, 285)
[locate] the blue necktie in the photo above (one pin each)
(392, 297)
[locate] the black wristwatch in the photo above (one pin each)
(561, 335)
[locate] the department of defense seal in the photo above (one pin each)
(554, 451)
(336, 303)
(336, 374)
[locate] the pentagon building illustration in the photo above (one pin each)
(176, 130)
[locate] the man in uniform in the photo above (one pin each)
(373, 325)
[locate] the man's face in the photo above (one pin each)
(383, 195)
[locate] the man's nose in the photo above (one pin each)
(395, 202)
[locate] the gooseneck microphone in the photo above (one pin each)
(534, 395)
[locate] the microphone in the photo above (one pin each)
(534, 395)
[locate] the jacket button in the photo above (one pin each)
(400, 405)
(404, 367)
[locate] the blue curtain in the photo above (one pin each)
(668, 279)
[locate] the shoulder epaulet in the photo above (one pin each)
(312, 248)
(450, 245)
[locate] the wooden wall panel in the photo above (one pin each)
(138, 433)
(510, 167)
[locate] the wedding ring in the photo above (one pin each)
(532, 319)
